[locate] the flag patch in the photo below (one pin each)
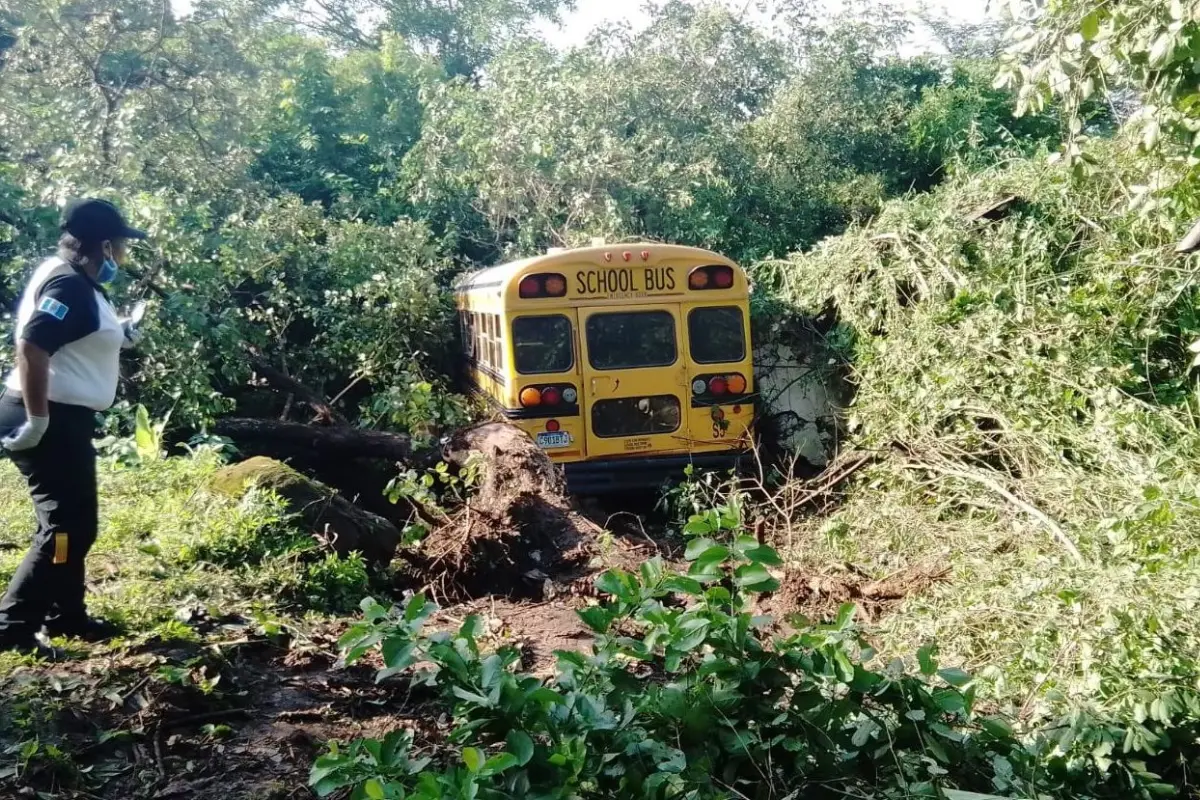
(54, 308)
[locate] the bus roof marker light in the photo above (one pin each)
(608, 257)
(645, 255)
(627, 255)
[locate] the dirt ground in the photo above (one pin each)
(255, 735)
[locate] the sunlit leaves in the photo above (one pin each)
(1072, 49)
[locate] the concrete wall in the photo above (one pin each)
(796, 393)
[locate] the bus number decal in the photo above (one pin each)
(638, 444)
(615, 282)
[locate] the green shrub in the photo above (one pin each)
(685, 696)
(166, 542)
(1025, 388)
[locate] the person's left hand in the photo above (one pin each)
(133, 334)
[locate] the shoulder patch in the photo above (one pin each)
(54, 308)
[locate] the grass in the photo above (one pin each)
(169, 548)
(1020, 384)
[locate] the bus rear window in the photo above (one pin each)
(633, 416)
(630, 340)
(717, 335)
(543, 344)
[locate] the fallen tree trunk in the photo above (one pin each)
(332, 519)
(340, 440)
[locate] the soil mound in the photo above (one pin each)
(518, 535)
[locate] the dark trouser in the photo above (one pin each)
(48, 586)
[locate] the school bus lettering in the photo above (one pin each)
(628, 281)
(638, 445)
(659, 279)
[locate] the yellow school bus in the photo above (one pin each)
(625, 363)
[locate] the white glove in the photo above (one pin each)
(28, 435)
(133, 334)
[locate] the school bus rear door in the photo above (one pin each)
(634, 380)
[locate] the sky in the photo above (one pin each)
(590, 13)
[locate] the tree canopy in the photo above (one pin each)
(293, 159)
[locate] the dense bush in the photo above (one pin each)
(1027, 386)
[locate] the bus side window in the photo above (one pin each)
(496, 321)
(494, 325)
(476, 336)
(464, 322)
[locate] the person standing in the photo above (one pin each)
(68, 343)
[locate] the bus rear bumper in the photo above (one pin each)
(609, 475)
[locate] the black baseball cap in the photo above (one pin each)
(93, 220)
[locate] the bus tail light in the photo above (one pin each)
(721, 388)
(556, 399)
(711, 277)
(550, 284)
(552, 426)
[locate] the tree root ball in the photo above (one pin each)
(516, 535)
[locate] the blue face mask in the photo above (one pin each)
(107, 271)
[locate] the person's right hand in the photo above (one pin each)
(28, 435)
(133, 334)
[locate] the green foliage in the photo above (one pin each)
(967, 123)
(729, 711)
(464, 35)
(334, 583)
(1027, 380)
(167, 542)
(1080, 51)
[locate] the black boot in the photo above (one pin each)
(31, 646)
(89, 629)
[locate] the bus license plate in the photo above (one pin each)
(549, 441)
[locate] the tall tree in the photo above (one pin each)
(463, 34)
(121, 93)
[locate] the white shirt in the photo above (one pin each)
(65, 312)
